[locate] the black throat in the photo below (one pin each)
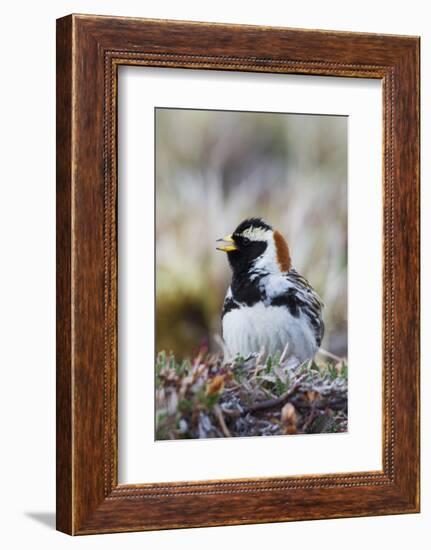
(241, 260)
(245, 288)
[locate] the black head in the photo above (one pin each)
(251, 224)
(248, 242)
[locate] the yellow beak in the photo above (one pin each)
(229, 244)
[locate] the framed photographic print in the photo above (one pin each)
(237, 274)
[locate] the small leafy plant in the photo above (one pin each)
(253, 396)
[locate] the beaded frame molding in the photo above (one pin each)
(89, 51)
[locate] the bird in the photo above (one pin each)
(268, 306)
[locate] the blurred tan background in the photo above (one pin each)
(215, 168)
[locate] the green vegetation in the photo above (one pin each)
(253, 396)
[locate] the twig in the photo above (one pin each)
(222, 423)
(235, 413)
(312, 415)
(269, 403)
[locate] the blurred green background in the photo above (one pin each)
(215, 168)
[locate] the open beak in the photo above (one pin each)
(228, 244)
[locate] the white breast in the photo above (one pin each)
(249, 329)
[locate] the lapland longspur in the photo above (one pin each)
(268, 303)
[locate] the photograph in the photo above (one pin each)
(251, 265)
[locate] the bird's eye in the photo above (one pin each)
(245, 240)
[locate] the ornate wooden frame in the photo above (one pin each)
(89, 51)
